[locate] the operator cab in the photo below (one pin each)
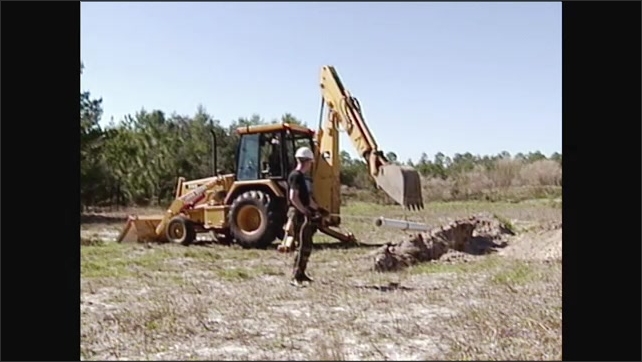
(269, 154)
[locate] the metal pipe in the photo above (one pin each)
(401, 224)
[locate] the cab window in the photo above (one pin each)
(248, 158)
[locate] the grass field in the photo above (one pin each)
(215, 302)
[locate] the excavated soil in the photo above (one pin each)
(213, 302)
(544, 244)
(465, 238)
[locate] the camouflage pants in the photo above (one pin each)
(303, 230)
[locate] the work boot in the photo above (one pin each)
(296, 282)
(305, 278)
(302, 277)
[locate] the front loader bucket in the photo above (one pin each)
(141, 229)
(402, 184)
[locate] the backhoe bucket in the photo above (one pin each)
(402, 184)
(141, 229)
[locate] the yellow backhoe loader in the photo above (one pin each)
(249, 206)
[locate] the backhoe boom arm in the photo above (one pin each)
(349, 116)
(402, 184)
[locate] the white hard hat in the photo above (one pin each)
(304, 153)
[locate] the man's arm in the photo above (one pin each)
(318, 208)
(313, 203)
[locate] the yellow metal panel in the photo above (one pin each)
(216, 216)
(326, 179)
(196, 215)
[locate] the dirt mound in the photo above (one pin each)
(475, 235)
(545, 244)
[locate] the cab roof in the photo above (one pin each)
(266, 128)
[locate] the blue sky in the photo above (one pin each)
(449, 77)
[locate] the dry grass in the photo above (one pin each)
(511, 180)
(216, 302)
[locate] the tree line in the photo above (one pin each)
(138, 160)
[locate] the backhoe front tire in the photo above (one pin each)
(180, 230)
(253, 220)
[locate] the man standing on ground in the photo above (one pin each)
(303, 213)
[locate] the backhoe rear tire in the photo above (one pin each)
(180, 230)
(254, 219)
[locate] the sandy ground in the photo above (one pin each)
(167, 302)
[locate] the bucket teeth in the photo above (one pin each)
(414, 205)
